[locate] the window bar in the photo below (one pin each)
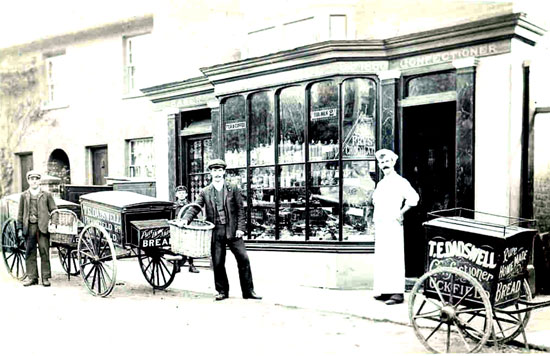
(340, 163)
(277, 172)
(307, 164)
(248, 174)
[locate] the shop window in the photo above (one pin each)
(291, 133)
(321, 196)
(199, 153)
(262, 130)
(431, 84)
(141, 161)
(235, 132)
(136, 50)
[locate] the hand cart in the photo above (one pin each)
(14, 246)
(475, 288)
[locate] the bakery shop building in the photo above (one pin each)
(298, 129)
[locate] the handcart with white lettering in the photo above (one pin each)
(121, 225)
(475, 288)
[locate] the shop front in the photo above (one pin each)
(299, 129)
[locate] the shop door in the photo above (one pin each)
(100, 167)
(429, 165)
(26, 165)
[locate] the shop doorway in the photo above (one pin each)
(429, 165)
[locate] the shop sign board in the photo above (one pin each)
(482, 50)
(231, 126)
(324, 114)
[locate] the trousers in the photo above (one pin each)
(237, 247)
(35, 237)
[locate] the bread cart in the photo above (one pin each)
(119, 225)
(475, 288)
(14, 247)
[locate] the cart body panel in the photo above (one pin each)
(150, 233)
(116, 210)
(495, 255)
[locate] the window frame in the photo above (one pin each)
(305, 87)
(129, 166)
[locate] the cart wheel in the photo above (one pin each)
(440, 322)
(68, 258)
(13, 250)
(97, 260)
(158, 271)
(507, 323)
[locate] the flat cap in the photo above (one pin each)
(217, 163)
(33, 173)
(181, 188)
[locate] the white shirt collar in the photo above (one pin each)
(218, 185)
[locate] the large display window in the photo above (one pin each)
(304, 157)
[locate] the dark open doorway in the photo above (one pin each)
(429, 165)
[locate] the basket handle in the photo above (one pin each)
(56, 211)
(185, 207)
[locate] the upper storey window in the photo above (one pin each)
(56, 78)
(136, 50)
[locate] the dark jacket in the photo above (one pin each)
(46, 205)
(233, 204)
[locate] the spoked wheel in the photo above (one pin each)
(13, 250)
(97, 260)
(440, 321)
(68, 258)
(158, 271)
(507, 323)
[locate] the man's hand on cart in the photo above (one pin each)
(19, 233)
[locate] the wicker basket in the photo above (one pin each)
(192, 240)
(63, 227)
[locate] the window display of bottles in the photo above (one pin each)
(264, 154)
(291, 152)
(237, 177)
(319, 151)
(359, 185)
(235, 158)
(324, 174)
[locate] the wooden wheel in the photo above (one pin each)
(440, 322)
(97, 260)
(68, 258)
(507, 324)
(158, 271)
(13, 250)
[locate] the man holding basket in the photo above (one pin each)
(225, 209)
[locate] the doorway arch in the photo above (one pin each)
(59, 166)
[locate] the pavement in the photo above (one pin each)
(358, 303)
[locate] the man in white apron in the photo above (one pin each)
(392, 197)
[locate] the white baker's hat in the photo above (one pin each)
(385, 152)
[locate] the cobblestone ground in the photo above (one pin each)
(66, 320)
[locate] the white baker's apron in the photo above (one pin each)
(389, 249)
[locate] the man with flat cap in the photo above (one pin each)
(35, 206)
(225, 209)
(392, 197)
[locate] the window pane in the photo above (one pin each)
(359, 118)
(323, 121)
(359, 185)
(235, 131)
(292, 198)
(238, 177)
(196, 183)
(291, 135)
(324, 201)
(431, 84)
(262, 130)
(263, 203)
